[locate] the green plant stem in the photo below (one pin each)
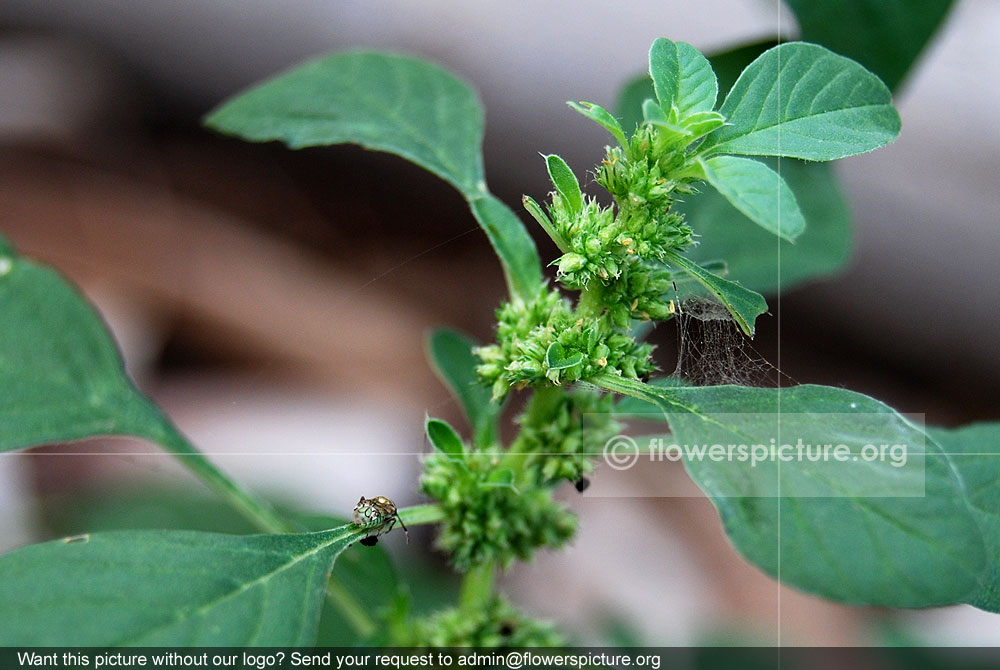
(421, 514)
(660, 397)
(258, 511)
(542, 400)
(262, 515)
(255, 509)
(591, 301)
(624, 386)
(477, 586)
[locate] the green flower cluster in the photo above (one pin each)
(651, 171)
(605, 246)
(642, 293)
(562, 432)
(614, 244)
(488, 519)
(614, 255)
(498, 624)
(546, 342)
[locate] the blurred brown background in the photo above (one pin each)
(275, 302)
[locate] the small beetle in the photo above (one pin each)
(378, 514)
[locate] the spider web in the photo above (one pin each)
(712, 350)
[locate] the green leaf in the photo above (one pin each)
(858, 531)
(974, 452)
(598, 114)
(453, 360)
(444, 438)
(700, 124)
(539, 215)
(61, 377)
(803, 101)
(886, 36)
(381, 101)
(664, 70)
(758, 192)
(501, 479)
(682, 79)
(168, 588)
(366, 573)
(556, 358)
(744, 304)
(392, 103)
(565, 182)
(761, 261)
(727, 66)
(653, 113)
(697, 88)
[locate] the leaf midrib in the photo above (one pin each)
(759, 129)
(262, 579)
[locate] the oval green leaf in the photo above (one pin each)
(664, 70)
(61, 377)
(168, 588)
(974, 452)
(698, 88)
(860, 531)
(565, 182)
(444, 438)
(365, 573)
(758, 192)
(742, 303)
(556, 358)
(803, 101)
(762, 262)
(381, 101)
(392, 103)
(603, 117)
(886, 36)
(682, 79)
